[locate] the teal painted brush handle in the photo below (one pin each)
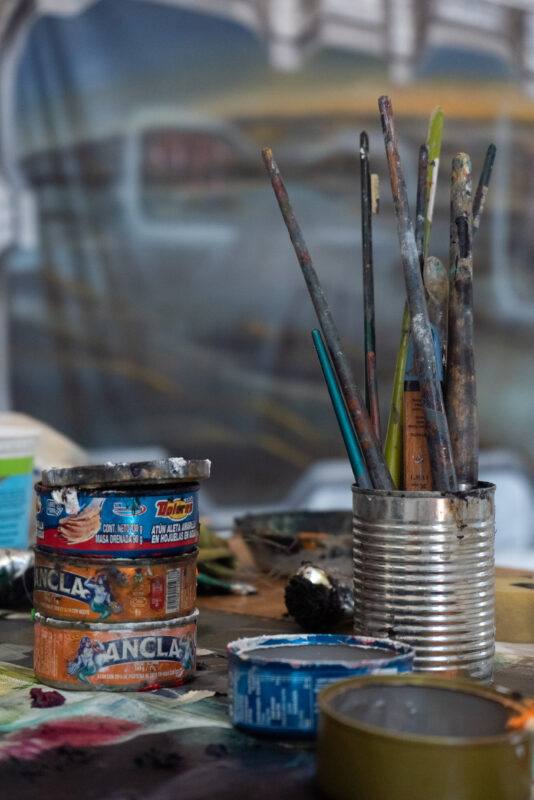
(361, 475)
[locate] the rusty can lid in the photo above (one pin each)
(162, 471)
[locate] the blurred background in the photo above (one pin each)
(151, 301)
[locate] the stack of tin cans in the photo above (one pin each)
(115, 574)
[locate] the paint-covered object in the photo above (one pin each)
(274, 680)
(114, 590)
(121, 657)
(121, 510)
(415, 737)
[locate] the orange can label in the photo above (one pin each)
(114, 590)
(132, 657)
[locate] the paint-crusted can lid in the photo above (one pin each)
(162, 471)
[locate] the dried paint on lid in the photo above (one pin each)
(162, 471)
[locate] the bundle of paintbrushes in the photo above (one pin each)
(432, 434)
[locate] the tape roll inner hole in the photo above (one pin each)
(320, 652)
(423, 710)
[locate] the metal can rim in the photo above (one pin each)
(160, 471)
(482, 489)
(111, 561)
(395, 652)
(51, 622)
(495, 693)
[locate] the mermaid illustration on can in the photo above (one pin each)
(91, 657)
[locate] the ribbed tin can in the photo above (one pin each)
(424, 574)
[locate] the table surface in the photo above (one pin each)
(193, 763)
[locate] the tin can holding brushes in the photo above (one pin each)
(114, 590)
(424, 574)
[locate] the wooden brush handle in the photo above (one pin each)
(417, 471)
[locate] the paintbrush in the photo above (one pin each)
(461, 400)
(428, 165)
(393, 446)
(417, 475)
(361, 475)
(443, 472)
(374, 459)
(371, 385)
(434, 139)
(417, 471)
(482, 188)
(436, 280)
(420, 201)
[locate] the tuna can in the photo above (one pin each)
(417, 737)
(424, 574)
(114, 590)
(134, 510)
(274, 680)
(121, 657)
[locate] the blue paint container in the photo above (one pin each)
(274, 680)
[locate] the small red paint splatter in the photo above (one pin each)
(42, 699)
(87, 731)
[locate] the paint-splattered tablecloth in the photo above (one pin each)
(158, 746)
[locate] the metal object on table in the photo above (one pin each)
(424, 574)
(16, 569)
(274, 680)
(115, 657)
(316, 600)
(416, 737)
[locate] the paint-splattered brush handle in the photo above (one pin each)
(443, 473)
(374, 459)
(433, 141)
(420, 204)
(416, 459)
(371, 382)
(482, 188)
(436, 281)
(461, 398)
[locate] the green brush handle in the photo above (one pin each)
(393, 445)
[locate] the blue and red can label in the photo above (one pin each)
(107, 523)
